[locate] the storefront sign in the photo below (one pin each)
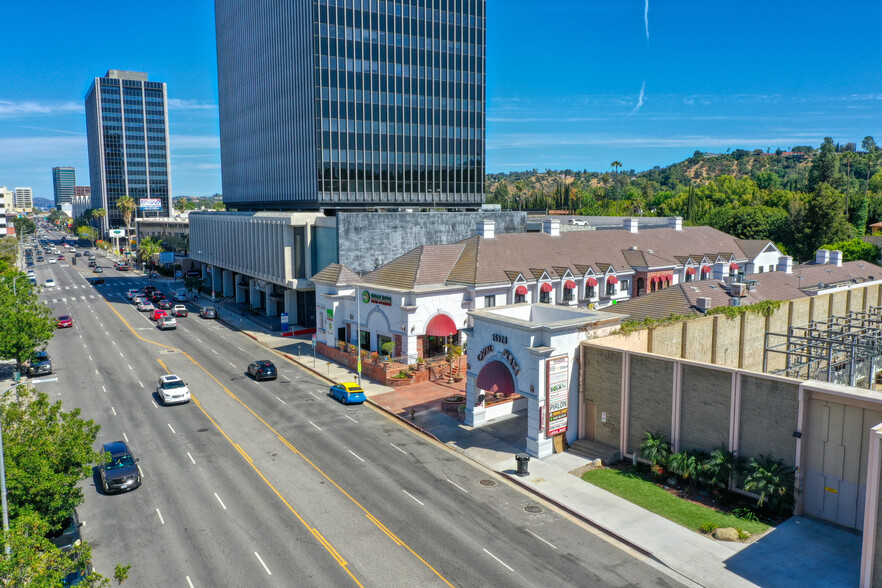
(485, 352)
(509, 356)
(500, 339)
(557, 379)
(373, 297)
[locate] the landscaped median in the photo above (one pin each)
(644, 493)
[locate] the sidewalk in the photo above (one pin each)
(800, 551)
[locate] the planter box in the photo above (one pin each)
(451, 406)
(398, 382)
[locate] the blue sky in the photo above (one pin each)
(564, 80)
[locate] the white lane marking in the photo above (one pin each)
(414, 497)
(84, 345)
(237, 347)
(130, 366)
(314, 425)
(280, 400)
(231, 363)
(185, 329)
(350, 418)
(170, 427)
(457, 485)
(189, 583)
(114, 410)
(398, 448)
(103, 388)
(221, 501)
(141, 384)
(540, 538)
(160, 517)
(100, 323)
(125, 437)
(198, 339)
(90, 358)
(286, 379)
(191, 458)
(213, 351)
(96, 373)
(121, 354)
(359, 459)
(140, 472)
(106, 333)
(499, 560)
(313, 395)
(269, 573)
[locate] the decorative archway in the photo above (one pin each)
(494, 378)
(440, 330)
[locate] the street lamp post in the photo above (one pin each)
(358, 333)
(3, 492)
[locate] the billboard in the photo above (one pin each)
(150, 204)
(116, 233)
(167, 257)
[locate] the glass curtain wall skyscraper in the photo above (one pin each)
(64, 181)
(351, 104)
(127, 127)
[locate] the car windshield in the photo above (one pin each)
(173, 384)
(120, 461)
(64, 318)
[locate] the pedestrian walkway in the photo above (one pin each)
(801, 551)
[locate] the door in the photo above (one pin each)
(590, 413)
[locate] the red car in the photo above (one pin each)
(158, 314)
(61, 258)
(65, 322)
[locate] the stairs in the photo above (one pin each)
(594, 450)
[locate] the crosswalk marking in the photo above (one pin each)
(91, 296)
(64, 299)
(54, 300)
(67, 287)
(83, 297)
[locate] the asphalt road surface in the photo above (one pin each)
(277, 484)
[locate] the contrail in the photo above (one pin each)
(646, 18)
(640, 98)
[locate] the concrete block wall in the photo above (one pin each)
(705, 399)
(727, 347)
(820, 308)
(753, 336)
(877, 552)
(667, 340)
(650, 398)
(769, 415)
(838, 303)
(601, 372)
(699, 337)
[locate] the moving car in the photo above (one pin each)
(348, 392)
(119, 470)
(180, 310)
(208, 312)
(131, 293)
(96, 281)
(122, 267)
(579, 222)
(179, 296)
(51, 260)
(98, 270)
(164, 304)
(145, 305)
(172, 390)
(166, 322)
(50, 283)
(65, 322)
(40, 364)
(262, 369)
(93, 263)
(158, 314)
(39, 258)
(60, 258)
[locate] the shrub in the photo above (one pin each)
(655, 448)
(745, 513)
(772, 480)
(402, 375)
(707, 528)
(720, 466)
(688, 465)
(742, 534)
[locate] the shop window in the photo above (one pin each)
(489, 301)
(590, 292)
(520, 298)
(610, 289)
(568, 295)
(545, 297)
(689, 277)
(623, 286)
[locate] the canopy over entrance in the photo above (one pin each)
(441, 326)
(495, 378)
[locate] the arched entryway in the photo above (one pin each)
(440, 331)
(504, 411)
(495, 380)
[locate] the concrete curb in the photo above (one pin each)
(603, 529)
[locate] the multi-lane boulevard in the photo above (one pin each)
(275, 483)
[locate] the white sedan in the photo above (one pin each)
(50, 283)
(51, 260)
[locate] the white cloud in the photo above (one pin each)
(640, 98)
(8, 108)
(178, 104)
(194, 142)
(544, 140)
(646, 19)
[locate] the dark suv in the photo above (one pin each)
(119, 470)
(262, 370)
(41, 364)
(68, 536)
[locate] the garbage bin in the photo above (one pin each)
(523, 461)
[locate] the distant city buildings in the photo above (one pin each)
(7, 203)
(127, 127)
(24, 199)
(64, 181)
(332, 105)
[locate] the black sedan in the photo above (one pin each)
(164, 304)
(262, 369)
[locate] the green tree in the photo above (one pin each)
(24, 226)
(616, 165)
(126, 206)
(772, 480)
(825, 169)
(501, 194)
(97, 214)
(192, 284)
(688, 465)
(766, 180)
(88, 233)
(149, 247)
(754, 222)
(824, 222)
(25, 323)
(855, 250)
(720, 466)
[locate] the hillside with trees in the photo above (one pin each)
(801, 199)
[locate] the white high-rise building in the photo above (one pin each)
(24, 199)
(7, 203)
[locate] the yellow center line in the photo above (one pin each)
(370, 516)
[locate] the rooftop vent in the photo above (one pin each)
(703, 303)
(633, 248)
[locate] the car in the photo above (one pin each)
(96, 281)
(166, 322)
(131, 293)
(40, 258)
(78, 254)
(86, 252)
(98, 270)
(122, 267)
(93, 263)
(119, 470)
(145, 306)
(262, 369)
(172, 390)
(164, 304)
(93, 258)
(180, 310)
(51, 260)
(64, 322)
(31, 274)
(67, 536)
(40, 364)
(157, 314)
(348, 392)
(50, 283)
(208, 312)
(179, 296)
(60, 258)
(579, 222)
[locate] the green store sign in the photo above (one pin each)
(373, 297)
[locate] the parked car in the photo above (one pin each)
(180, 310)
(122, 267)
(67, 536)
(65, 322)
(164, 304)
(262, 369)
(172, 390)
(50, 283)
(145, 306)
(158, 314)
(119, 470)
(208, 312)
(40, 364)
(348, 392)
(166, 322)
(39, 258)
(578, 222)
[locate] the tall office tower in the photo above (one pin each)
(24, 199)
(127, 127)
(64, 179)
(351, 104)
(7, 203)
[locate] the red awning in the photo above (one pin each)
(612, 280)
(521, 290)
(690, 271)
(494, 378)
(705, 269)
(591, 282)
(571, 285)
(546, 287)
(733, 267)
(441, 326)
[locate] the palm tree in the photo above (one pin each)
(148, 247)
(721, 465)
(655, 448)
(616, 165)
(97, 214)
(772, 480)
(126, 206)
